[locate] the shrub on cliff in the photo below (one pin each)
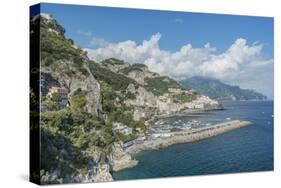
(160, 85)
(116, 81)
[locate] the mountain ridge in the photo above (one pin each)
(218, 90)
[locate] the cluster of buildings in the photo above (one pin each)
(201, 103)
(160, 129)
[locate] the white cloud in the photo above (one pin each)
(239, 59)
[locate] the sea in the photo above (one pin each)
(247, 149)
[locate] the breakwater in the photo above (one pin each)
(161, 140)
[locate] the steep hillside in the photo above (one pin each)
(88, 109)
(68, 64)
(75, 141)
(215, 89)
(142, 93)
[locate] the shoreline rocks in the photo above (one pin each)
(119, 159)
(103, 174)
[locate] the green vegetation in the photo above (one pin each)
(65, 135)
(113, 61)
(74, 132)
(57, 151)
(125, 138)
(130, 95)
(160, 85)
(78, 100)
(184, 97)
(52, 25)
(141, 123)
(55, 48)
(117, 81)
(53, 101)
(117, 111)
(133, 67)
(56, 97)
(123, 117)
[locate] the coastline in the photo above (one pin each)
(186, 112)
(180, 137)
(195, 135)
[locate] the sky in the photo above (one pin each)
(237, 50)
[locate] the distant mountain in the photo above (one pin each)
(84, 103)
(215, 89)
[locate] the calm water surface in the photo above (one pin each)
(243, 150)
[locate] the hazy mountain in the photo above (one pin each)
(216, 89)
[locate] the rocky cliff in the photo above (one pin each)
(66, 64)
(81, 100)
(68, 131)
(145, 92)
(119, 159)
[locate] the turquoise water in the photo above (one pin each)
(243, 150)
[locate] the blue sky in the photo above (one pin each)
(177, 28)
(97, 27)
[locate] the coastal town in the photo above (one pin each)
(123, 153)
(158, 138)
(159, 133)
(104, 113)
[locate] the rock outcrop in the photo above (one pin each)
(93, 172)
(114, 65)
(68, 67)
(64, 72)
(119, 159)
(98, 174)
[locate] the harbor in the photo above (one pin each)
(160, 138)
(236, 147)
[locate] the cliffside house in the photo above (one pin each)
(60, 90)
(62, 93)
